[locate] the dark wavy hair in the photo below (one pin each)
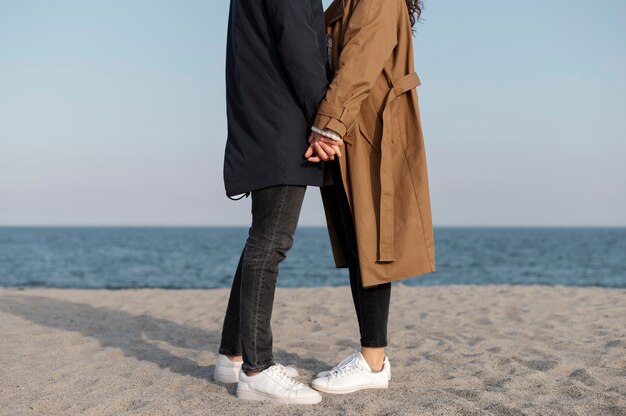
(415, 10)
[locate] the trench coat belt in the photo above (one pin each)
(386, 232)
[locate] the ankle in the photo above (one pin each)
(235, 358)
(376, 367)
(375, 358)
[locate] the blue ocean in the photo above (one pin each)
(206, 257)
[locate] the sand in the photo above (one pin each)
(454, 350)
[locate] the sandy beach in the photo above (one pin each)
(454, 350)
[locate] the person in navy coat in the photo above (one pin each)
(276, 77)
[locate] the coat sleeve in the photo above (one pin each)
(371, 37)
(297, 32)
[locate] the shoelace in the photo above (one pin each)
(348, 369)
(279, 371)
(346, 361)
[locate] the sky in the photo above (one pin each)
(113, 113)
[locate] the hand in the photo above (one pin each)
(323, 147)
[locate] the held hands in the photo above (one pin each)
(322, 148)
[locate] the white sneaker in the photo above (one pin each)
(227, 371)
(353, 375)
(275, 385)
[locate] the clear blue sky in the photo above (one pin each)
(113, 112)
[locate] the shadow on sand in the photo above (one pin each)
(134, 335)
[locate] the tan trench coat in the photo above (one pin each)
(372, 103)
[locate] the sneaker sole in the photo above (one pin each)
(258, 396)
(351, 390)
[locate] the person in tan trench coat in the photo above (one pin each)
(380, 175)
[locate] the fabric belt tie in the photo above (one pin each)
(386, 232)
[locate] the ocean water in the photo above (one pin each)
(206, 257)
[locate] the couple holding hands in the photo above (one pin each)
(326, 100)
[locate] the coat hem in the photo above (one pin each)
(242, 189)
(396, 279)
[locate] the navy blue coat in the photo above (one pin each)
(275, 79)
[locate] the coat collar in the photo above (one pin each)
(334, 12)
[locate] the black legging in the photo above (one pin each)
(371, 304)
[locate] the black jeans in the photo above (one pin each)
(247, 326)
(372, 303)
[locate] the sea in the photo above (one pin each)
(206, 257)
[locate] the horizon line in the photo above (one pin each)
(299, 226)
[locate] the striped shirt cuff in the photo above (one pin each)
(327, 133)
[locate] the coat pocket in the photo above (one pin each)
(370, 124)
